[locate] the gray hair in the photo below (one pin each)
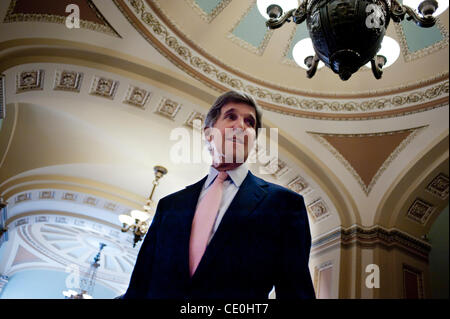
(232, 97)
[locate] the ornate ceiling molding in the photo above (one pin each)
(63, 196)
(320, 137)
(105, 27)
(152, 26)
(410, 56)
(68, 241)
(208, 17)
(439, 186)
(370, 237)
(163, 19)
(15, 186)
(244, 44)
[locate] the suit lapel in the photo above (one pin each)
(185, 210)
(250, 193)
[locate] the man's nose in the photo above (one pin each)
(239, 123)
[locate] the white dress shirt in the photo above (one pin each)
(230, 188)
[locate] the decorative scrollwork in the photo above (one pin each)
(312, 63)
(276, 23)
(377, 64)
(398, 12)
(298, 16)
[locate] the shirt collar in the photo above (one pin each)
(237, 175)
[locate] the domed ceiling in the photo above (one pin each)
(96, 107)
(226, 44)
(233, 36)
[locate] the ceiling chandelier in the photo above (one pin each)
(138, 222)
(87, 282)
(348, 34)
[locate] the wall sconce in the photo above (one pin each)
(138, 221)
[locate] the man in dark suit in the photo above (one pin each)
(231, 234)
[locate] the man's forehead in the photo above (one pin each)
(238, 107)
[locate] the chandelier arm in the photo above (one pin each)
(376, 70)
(313, 67)
(276, 23)
(125, 229)
(398, 12)
(141, 229)
(299, 15)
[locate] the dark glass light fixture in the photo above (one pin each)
(347, 34)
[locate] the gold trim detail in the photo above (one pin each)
(366, 189)
(295, 103)
(50, 18)
(410, 56)
(205, 16)
(182, 51)
(174, 28)
(247, 46)
(285, 59)
(353, 106)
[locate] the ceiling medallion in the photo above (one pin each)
(348, 34)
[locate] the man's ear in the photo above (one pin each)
(208, 135)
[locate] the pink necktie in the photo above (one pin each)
(203, 221)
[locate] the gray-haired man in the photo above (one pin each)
(231, 234)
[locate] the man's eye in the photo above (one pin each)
(250, 122)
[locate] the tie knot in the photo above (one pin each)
(222, 176)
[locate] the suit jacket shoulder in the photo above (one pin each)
(279, 191)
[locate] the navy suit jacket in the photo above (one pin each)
(263, 240)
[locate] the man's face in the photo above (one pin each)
(233, 134)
